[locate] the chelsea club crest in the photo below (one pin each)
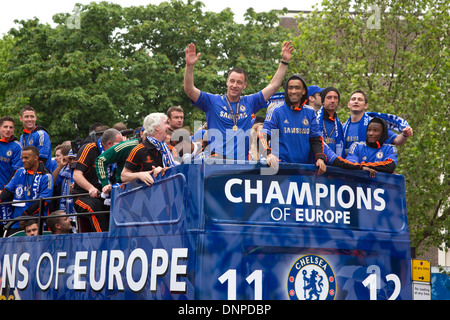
(311, 278)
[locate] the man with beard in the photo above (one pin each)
(328, 120)
(59, 223)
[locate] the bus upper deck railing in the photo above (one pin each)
(41, 217)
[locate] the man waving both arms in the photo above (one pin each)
(229, 115)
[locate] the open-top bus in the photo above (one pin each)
(226, 231)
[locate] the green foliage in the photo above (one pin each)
(6, 44)
(124, 63)
(403, 66)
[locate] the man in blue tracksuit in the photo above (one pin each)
(332, 159)
(10, 161)
(356, 126)
(37, 136)
(373, 152)
(33, 181)
(10, 150)
(298, 130)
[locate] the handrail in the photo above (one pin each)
(40, 216)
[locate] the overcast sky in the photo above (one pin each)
(45, 9)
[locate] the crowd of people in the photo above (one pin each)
(302, 128)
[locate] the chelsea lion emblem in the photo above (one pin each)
(311, 278)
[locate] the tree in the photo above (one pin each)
(124, 63)
(6, 43)
(402, 63)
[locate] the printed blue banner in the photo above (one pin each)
(307, 200)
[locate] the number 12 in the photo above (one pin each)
(371, 282)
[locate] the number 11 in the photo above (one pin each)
(230, 276)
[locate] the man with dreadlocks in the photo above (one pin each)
(297, 127)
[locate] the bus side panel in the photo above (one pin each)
(97, 267)
(259, 266)
(147, 254)
(43, 267)
(296, 235)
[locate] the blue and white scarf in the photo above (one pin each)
(338, 134)
(394, 123)
(362, 129)
(164, 149)
(66, 174)
(275, 100)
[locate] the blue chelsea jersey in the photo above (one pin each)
(294, 129)
(10, 160)
(223, 139)
(356, 132)
(41, 140)
(27, 186)
(360, 152)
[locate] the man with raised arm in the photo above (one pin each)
(356, 126)
(229, 115)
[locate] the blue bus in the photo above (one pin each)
(228, 232)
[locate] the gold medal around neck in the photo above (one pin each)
(327, 140)
(235, 128)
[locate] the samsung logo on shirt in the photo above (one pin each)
(296, 130)
(224, 114)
